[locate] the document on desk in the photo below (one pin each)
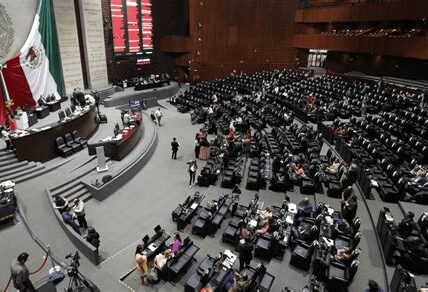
(152, 247)
(253, 223)
(292, 208)
(374, 183)
(194, 206)
(289, 220)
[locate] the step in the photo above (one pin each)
(7, 156)
(28, 174)
(8, 161)
(62, 188)
(86, 197)
(70, 193)
(72, 196)
(6, 153)
(13, 166)
(16, 169)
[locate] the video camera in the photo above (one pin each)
(72, 269)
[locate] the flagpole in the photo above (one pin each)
(3, 85)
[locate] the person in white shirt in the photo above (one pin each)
(6, 138)
(79, 212)
(158, 115)
(210, 110)
(162, 258)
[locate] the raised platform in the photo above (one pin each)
(150, 96)
(81, 184)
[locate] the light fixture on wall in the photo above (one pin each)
(199, 24)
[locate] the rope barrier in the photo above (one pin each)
(31, 273)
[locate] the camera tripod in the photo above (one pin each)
(77, 282)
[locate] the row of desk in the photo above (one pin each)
(40, 145)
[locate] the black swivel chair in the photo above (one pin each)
(345, 241)
(68, 112)
(61, 115)
(340, 276)
(62, 148)
(78, 139)
(302, 254)
(70, 143)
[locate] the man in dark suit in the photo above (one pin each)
(245, 249)
(174, 146)
(349, 208)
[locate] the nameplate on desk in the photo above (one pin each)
(253, 223)
(292, 208)
(328, 241)
(374, 183)
(152, 247)
(45, 128)
(194, 206)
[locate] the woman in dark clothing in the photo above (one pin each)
(93, 237)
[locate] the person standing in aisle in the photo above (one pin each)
(159, 115)
(193, 167)
(174, 146)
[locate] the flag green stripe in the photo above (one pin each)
(47, 29)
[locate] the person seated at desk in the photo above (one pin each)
(301, 159)
(343, 255)
(265, 214)
(265, 229)
(162, 258)
(416, 183)
(304, 209)
(299, 172)
(407, 225)
(342, 227)
(60, 203)
(240, 283)
(333, 168)
(303, 231)
(176, 243)
(41, 101)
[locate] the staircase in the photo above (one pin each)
(18, 171)
(72, 190)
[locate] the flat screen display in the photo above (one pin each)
(133, 29)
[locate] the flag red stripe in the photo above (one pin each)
(17, 84)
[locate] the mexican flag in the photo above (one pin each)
(36, 69)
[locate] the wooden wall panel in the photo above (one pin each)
(362, 12)
(416, 47)
(247, 35)
(377, 65)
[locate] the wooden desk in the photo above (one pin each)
(125, 146)
(53, 107)
(41, 146)
(120, 149)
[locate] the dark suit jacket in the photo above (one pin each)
(245, 251)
